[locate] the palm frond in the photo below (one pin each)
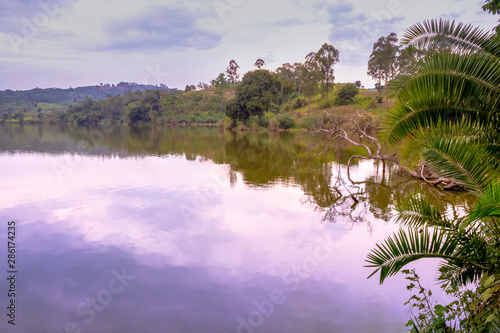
(458, 275)
(415, 144)
(462, 160)
(416, 211)
(406, 247)
(488, 205)
(449, 87)
(458, 36)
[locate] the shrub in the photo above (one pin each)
(263, 122)
(311, 122)
(293, 96)
(326, 104)
(347, 94)
(286, 121)
(299, 103)
(274, 125)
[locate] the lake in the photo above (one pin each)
(193, 230)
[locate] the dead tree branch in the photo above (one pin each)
(344, 129)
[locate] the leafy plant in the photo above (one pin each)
(447, 115)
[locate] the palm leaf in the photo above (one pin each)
(416, 211)
(406, 247)
(414, 145)
(448, 87)
(457, 36)
(488, 205)
(462, 160)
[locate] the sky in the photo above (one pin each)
(71, 43)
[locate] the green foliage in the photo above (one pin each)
(286, 122)
(347, 94)
(447, 115)
(263, 122)
(310, 76)
(325, 59)
(312, 122)
(19, 116)
(299, 103)
(449, 89)
(382, 66)
(429, 316)
(493, 7)
(151, 106)
(256, 95)
(232, 72)
(53, 99)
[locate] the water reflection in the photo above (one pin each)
(220, 232)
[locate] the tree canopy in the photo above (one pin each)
(255, 95)
(260, 63)
(232, 72)
(382, 66)
(326, 58)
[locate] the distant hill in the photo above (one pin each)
(60, 99)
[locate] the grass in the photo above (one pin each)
(365, 102)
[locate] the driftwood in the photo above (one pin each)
(343, 129)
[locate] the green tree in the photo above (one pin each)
(19, 115)
(326, 58)
(220, 85)
(137, 112)
(408, 60)
(256, 94)
(447, 116)
(297, 70)
(260, 63)
(347, 94)
(203, 86)
(310, 76)
(232, 72)
(287, 77)
(383, 65)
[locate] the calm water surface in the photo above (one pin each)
(191, 230)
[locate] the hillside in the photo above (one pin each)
(55, 99)
(135, 104)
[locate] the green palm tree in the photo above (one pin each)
(447, 115)
(460, 89)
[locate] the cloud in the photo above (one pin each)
(353, 32)
(15, 14)
(161, 28)
(344, 21)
